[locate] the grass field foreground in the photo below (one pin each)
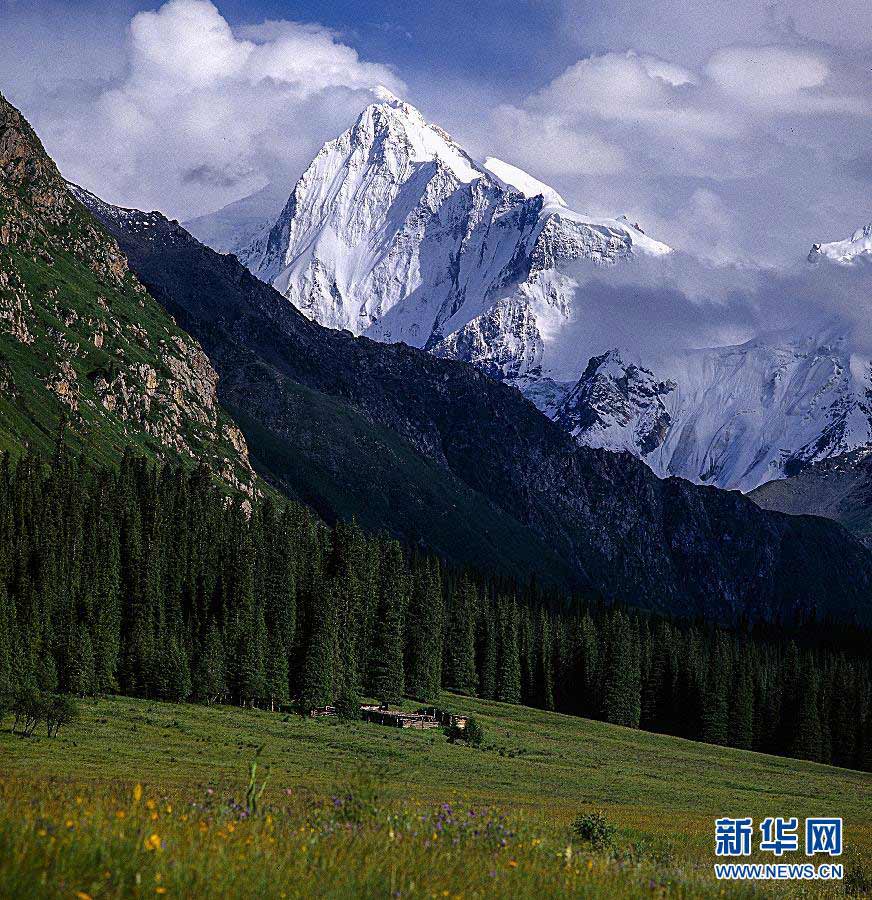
(148, 799)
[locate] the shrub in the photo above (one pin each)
(348, 707)
(29, 710)
(473, 734)
(596, 829)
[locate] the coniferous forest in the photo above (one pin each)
(153, 582)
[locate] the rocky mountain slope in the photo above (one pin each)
(82, 343)
(838, 488)
(438, 453)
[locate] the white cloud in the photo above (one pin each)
(613, 86)
(701, 155)
(549, 147)
(204, 115)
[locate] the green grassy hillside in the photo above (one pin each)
(539, 770)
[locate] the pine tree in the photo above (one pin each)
(386, 674)
(509, 669)
(715, 717)
(741, 731)
(545, 662)
(318, 684)
(807, 734)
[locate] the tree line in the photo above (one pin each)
(153, 582)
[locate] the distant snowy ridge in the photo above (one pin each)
(859, 243)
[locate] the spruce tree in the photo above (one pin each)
(622, 700)
(460, 674)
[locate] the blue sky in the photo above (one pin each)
(737, 130)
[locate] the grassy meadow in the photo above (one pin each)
(148, 799)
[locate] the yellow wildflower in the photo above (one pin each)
(150, 803)
(152, 842)
(82, 895)
(169, 809)
(69, 823)
(120, 814)
(160, 890)
(513, 863)
(137, 793)
(154, 817)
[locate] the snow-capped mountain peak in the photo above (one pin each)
(396, 232)
(845, 251)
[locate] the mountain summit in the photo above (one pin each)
(395, 232)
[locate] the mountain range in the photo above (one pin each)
(431, 450)
(438, 453)
(396, 233)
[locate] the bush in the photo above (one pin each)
(58, 711)
(473, 734)
(31, 707)
(596, 829)
(348, 707)
(29, 710)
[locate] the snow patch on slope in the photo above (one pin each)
(511, 177)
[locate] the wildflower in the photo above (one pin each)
(154, 817)
(69, 823)
(513, 863)
(567, 854)
(536, 842)
(152, 842)
(82, 895)
(589, 864)
(120, 814)
(169, 809)
(150, 804)
(160, 890)
(137, 793)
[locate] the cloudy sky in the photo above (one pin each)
(737, 130)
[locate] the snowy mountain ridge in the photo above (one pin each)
(860, 242)
(396, 233)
